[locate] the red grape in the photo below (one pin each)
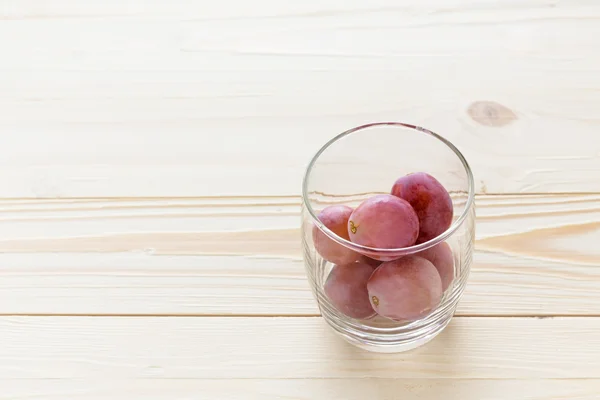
(441, 257)
(336, 219)
(405, 289)
(346, 288)
(430, 200)
(384, 221)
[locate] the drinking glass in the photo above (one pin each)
(365, 161)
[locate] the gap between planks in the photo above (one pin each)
(199, 315)
(250, 197)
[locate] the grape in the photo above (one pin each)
(405, 289)
(336, 219)
(384, 221)
(346, 288)
(430, 200)
(441, 257)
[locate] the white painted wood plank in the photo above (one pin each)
(122, 284)
(230, 256)
(130, 98)
(261, 348)
(300, 389)
(535, 255)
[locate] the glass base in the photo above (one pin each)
(389, 343)
(382, 335)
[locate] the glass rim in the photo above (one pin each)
(389, 251)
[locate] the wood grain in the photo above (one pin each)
(300, 389)
(151, 156)
(272, 348)
(127, 98)
(241, 256)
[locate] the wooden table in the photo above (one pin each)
(151, 155)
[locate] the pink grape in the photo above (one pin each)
(430, 200)
(405, 289)
(346, 288)
(336, 219)
(442, 259)
(384, 221)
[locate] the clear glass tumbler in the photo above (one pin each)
(365, 161)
